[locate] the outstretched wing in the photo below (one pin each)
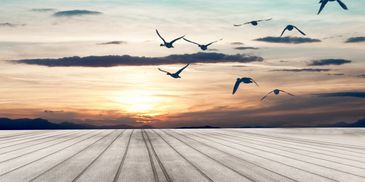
(343, 5)
(163, 70)
(236, 85)
(282, 33)
(287, 92)
(177, 39)
(214, 42)
(323, 4)
(264, 97)
(182, 69)
(264, 20)
(160, 36)
(191, 41)
(299, 30)
(254, 82)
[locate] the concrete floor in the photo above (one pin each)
(308, 155)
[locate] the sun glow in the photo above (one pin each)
(140, 102)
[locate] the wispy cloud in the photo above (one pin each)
(127, 60)
(245, 48)
(304, 70)
(7, 24)
(355, 39)
(288, 40)
(237, 43)
(113, 43)
(325, 62)
(70, 13)
(343, 94)
(43, 9)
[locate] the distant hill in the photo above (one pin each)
(197, 127)
(359, 123)
(42, 124)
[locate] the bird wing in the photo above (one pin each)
(191, 41)
(323, 4)
(343, 5)
(160, 36)
(299, 30)
(214, 42)
(264, 20)
(182, 69)
(282, 33)
(254, 82)
(177, 39)
(236, 85)
(163, 70)
(287, 92)
(264, 97)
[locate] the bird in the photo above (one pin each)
(276, 92)
(174, 75)
(254, 22)
(324, 2)
(202, 46)
(245, 80)
(168, 44)
(290, 28)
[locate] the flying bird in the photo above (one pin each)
(168, 44)
(245, 80)
(276, 92)
(290, 28)
(324, 2)
(174, 75)
(202, 46)
(254, 22)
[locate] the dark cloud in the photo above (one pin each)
(126, 60)
(245, 48)
(343, 94)
(336, 74)
(113, 43)
(10, 25)
(43, 9)
(361, 75)
(304, 70)
(237, 43)
(69, 13)
(355, 39)
(325, 62)
(288, 40)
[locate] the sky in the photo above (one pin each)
(324, 72)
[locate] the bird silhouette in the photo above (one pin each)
(174, 75)
(245, 80)
(254, 22)
(168, 44)
(290, 28)
(202, 46)
(276, 92)
(324, 2)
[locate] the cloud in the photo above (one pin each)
(361, 76)
(288, 40)
(355, 39)
(113, 43)
(43, 9)
(324, 62)
(245, 48)
(10, 25)
(304, 70)
(127, 60)
(343, 94)
(70, 13)
(237, 43)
